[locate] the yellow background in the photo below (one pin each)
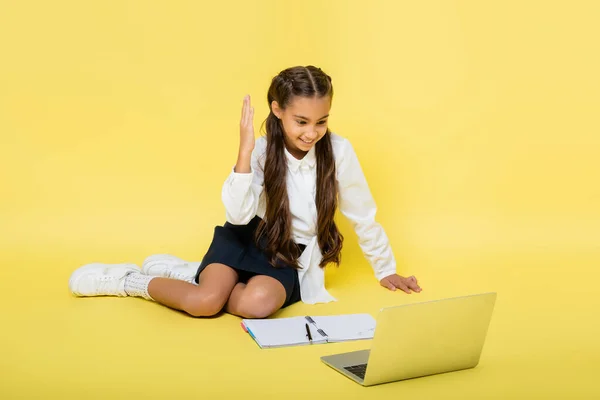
(476, 124)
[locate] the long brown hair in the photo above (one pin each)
(276, 227)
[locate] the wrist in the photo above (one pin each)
(242, 165)
(245, 151)
(385, 274)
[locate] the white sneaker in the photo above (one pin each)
(168, 266)
(101, 279)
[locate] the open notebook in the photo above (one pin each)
(280, 332)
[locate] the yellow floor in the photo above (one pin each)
(542, 342)
(476, 124)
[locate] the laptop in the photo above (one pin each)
(420, 339)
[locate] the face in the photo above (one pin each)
(304, 122)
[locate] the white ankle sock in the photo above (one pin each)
(136, 284)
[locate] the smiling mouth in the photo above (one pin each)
(307, 141)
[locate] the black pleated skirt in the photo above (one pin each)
(234, 246)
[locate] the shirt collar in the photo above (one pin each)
(308, 161)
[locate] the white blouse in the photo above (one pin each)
(244, 198)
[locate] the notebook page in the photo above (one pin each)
(279, 332)
(347, 327)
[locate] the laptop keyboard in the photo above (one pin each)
(358, 370)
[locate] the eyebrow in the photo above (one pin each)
(301, 117)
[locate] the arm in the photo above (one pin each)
(242, 188)
(358, 205)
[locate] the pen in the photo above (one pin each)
(308, 333)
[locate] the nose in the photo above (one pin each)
(312, 135)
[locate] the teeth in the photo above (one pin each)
(306, 141)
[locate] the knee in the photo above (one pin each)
(259, 303)
(203, 303)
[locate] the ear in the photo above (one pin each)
(276, 109)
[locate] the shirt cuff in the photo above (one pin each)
(386, 272)
(250, 174)
(239, 183)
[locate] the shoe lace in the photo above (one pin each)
(105, 283)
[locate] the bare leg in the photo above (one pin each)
(261, 297)
(208, 298)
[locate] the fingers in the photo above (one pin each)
(387, 284)
(394, 283)
(407, 285)
(247, 112)
(411, 282)
(400, 285)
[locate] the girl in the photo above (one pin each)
(280, 200)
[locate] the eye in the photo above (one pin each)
(301, 122)
(322, 122)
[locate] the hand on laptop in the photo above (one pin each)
(393, 282)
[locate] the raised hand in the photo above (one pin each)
(247, 127)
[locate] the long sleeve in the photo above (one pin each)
(241, 191)
(358, 205)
